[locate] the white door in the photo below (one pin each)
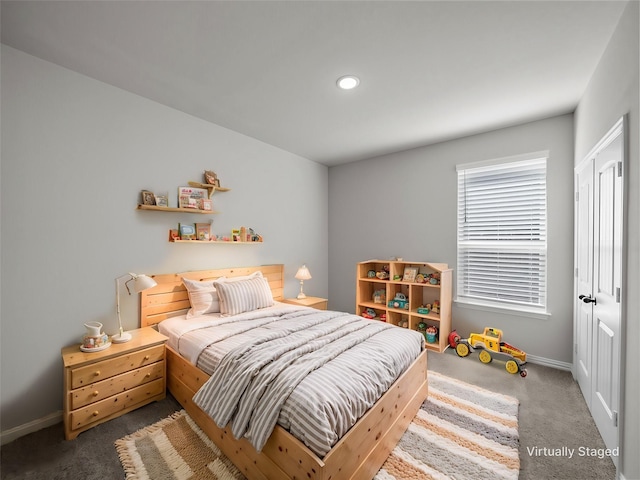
(583, 329)
(599, 259)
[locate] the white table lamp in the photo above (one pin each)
(140, 283)
(302, 275)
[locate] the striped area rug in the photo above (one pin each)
(461, 432)
(174, 449)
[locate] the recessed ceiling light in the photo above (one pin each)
(348, 82)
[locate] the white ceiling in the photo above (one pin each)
(429, 70)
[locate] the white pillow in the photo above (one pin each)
(244, 295)
(203, 297)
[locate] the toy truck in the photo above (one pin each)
(490, 345)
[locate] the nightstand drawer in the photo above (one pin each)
(90, 374)
(112, 405)
(111, 386)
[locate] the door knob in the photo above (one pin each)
(587, 299)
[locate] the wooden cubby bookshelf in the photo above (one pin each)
(417, 295)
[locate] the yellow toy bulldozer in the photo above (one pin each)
(490, 345)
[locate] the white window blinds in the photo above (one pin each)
(502, 233)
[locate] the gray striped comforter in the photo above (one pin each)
(313, 372)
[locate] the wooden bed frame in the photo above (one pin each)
(358, 455)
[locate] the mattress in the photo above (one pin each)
(313, 372)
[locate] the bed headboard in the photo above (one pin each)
(169, 298)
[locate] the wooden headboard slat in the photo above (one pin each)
(169, 298)
(161, 298)
(167, 307)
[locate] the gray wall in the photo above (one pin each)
(612, 93)
(75, 155)
(404, 205)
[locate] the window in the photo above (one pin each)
(502, 233)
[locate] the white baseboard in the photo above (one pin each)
(33, 426)
(548, 362)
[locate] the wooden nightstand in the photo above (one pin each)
(99, 386)
(314, 302)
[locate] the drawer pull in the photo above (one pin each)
(96, 413)
(148, 375)
(95, 394)
(147, 357)
(97, 373)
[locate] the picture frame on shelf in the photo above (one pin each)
(211, 178)
(187, 231)
(185, 201)
(162, 200)
(148, 198)
(205, 204)
(410, 274)
(189, 197)
(203, 232)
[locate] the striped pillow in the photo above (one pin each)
(244, 295)
(202, 296)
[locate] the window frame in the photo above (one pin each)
(466, 296)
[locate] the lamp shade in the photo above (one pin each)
(140, 283)
(303, 273)
(143, 282)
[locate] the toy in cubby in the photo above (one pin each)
(372, 314)
(379, 296)
(399, 301)
(435, 307)
(369, 313)
(429, 331)
(383, 274)
(431, 334)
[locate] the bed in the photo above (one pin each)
(359, 453)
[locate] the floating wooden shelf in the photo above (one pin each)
(212, 188)
(215, 242)
(175, 209)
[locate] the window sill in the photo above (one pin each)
(503, 310)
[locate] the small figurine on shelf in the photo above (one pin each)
(424, 309)
(431, 334)
(211, 178)
(399, 301)
(371, 274)
(382, 275)
(422, 328)
(435, 308)
(383, 317)
(369, 313)
(434, 278)
(380, 296)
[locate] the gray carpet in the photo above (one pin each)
(552, 415)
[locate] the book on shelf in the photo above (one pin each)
(191, 197)
(187, 231)
(203, 231)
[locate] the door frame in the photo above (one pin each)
(619, 128)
